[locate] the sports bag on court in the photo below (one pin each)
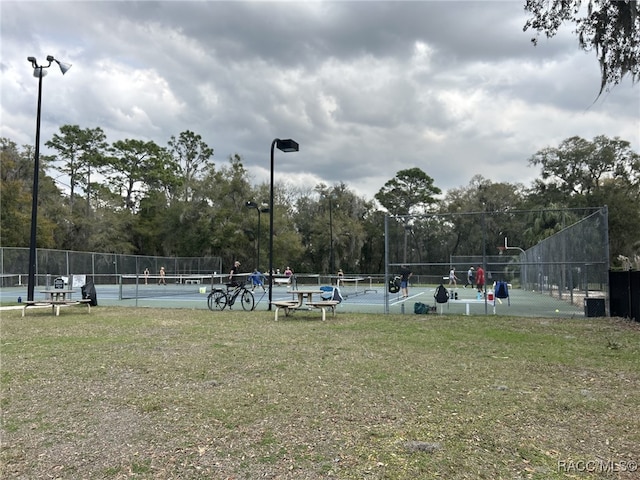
(420, 308)
(502, 290)
(441, 295)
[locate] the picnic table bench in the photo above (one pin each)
(56, 304)
(286, 305)
(289, 306)
(324, 305)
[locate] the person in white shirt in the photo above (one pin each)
(470, 277)
(452, 277)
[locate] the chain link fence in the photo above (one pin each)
(105, 268)
(565, 273)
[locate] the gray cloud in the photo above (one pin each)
(366, 88)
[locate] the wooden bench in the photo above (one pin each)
(287, 306)
(56, 304)
(323, 305)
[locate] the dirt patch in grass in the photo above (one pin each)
(146, 393)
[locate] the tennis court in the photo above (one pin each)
(367, 296)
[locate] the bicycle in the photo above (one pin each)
(218, 299)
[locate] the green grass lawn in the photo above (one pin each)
(191, 394)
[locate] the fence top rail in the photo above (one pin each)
(588, 212)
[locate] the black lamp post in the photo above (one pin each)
(260, 211)
(284, 146)
(38, 72)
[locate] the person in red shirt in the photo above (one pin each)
(480, 278)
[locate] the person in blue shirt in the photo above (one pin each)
(257, 280)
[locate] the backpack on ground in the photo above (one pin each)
(441, 295)
(420, 308)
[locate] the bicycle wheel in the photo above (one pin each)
(247, 300)
(217, 300)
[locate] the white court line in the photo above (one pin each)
(402, 300)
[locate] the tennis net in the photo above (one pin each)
(352, 286)
(149, 286)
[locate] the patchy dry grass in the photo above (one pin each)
(149, 393)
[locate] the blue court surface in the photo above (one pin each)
(367, 298)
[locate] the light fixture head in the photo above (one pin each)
(39, 72)
(251, 204)
(64, 67)
(287, 145)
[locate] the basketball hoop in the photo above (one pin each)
(509, 247)
(500, 250)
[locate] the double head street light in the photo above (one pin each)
(260, 209)
(39, 72)
(287, 145)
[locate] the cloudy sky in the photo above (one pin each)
(366, 88)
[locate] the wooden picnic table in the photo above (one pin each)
(305, 294)
(53, 294)
(55, 298)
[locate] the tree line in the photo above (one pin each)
(136, 197)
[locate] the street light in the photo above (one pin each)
(38, 72)
(287, 145)
(260, 211)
